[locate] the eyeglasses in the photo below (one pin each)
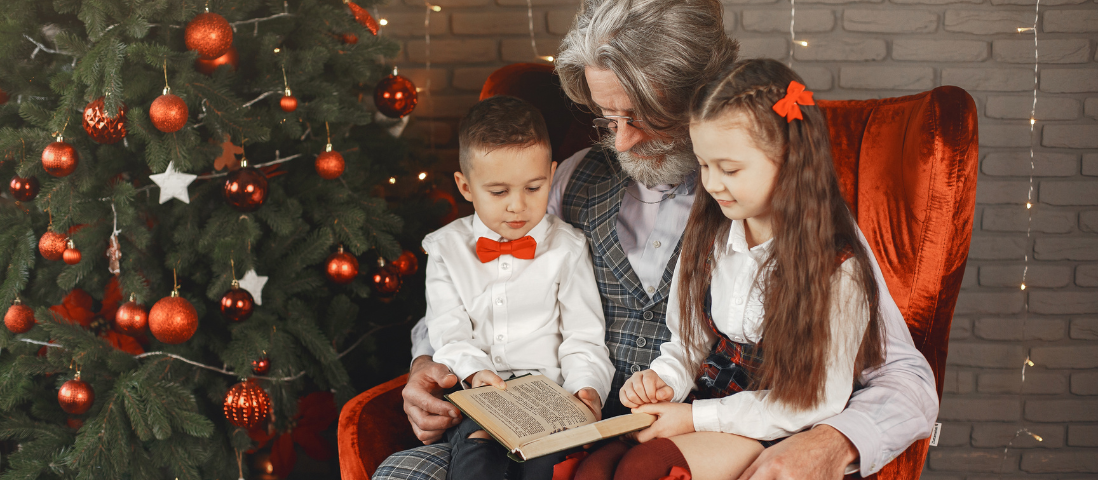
(610, 122)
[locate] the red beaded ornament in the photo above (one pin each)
(246, 405)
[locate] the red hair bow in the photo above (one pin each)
(795, 95)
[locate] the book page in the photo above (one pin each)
(530, 408)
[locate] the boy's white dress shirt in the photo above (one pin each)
(516, 316)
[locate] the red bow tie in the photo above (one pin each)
(488, 250)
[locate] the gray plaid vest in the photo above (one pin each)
(635, 321)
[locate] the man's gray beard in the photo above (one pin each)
(643, 165)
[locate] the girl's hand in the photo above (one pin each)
(644, 387)
(674, 419)
(486, 377)
(590, 397)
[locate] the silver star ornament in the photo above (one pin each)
(173, 184)
(254, 285)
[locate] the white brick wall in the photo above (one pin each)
(881, 48)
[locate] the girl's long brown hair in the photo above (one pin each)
(811, 226)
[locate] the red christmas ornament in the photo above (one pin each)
(395, 96)
(341, 267)
(386, 279)
(100, 126)
(288, 102)
(168, 113)
(19, 318)
(406, 263)
(76, 396)
(74, 423)
(24, 189)
(3, 96)
(438, 195)
(237, 304)
(230, 58)
(261, 366)
(53, 245)
(173, 319)
(362, 16)
(209, 34)
(246, 188)
(71, 255)
(349, 38)
(59, 158)
(329, 165)
(246, 405)
(131, 318)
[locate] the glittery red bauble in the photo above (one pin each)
(173, 320)
(385, 280)
(100, 126)
(168, 113)
(406, 263)
(131, 318)
(19, 319)
(395, 96)
(341, 267)
(209, 34)
(237, 304)
(329, 165)
(76, 396)
(59, 159)
(246, 189)
(53, 245)
(230, 58)
(288, 103)
(349, 38)
(261, 366)
(71, 256)
(246, 405)
(23, 189)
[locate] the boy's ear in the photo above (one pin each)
(463, 186)
(552, 171)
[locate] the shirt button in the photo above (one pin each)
(499, 337)
(635, 368)
(499, 301)
(503, 266)
(641, 342)
(651, 290)
(739, 300)
(499, 360)
(656, 244)
(647, 315)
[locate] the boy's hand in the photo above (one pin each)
(590, 397)
(486, 377)
(644, 387)
(674, 419)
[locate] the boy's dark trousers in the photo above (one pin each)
(486, 459)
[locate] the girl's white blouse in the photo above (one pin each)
(737, 312)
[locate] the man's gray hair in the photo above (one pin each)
(659, 50)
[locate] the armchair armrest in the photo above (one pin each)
(373, 426)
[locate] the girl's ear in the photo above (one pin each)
(463, 186)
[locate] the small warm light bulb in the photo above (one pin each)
(1023, 286)
(1038, 437)
(1029, 205)
(802, 43)
(277, 49)
(547, 58)
(392, 180)
(1032, 121)
(383, 22)
(419, 89)
(1024, 29)
(1029, 362)
(422, 175)
(436, 8)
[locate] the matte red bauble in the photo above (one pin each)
(71, 255)
(173, 319)
(330, 164)
(76, 396)
(406, 263)
(395, 96)
(341, 267)
(237, 304)
(24, 189)
(261, 366)
(19, 318)
(349, 38)
(246, 189)
(288, 103)
(53, 245)
(100, 126)
(208, 67)
(209, 34)
(131, 318)
(59, 158)
(74, 423)
(246, 405)
(168, 113)
(386, 279)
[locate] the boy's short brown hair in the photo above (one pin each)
(499, 121)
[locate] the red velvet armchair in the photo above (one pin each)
(907, 166)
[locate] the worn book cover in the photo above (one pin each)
(534, 416)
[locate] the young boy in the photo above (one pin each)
(510, 289)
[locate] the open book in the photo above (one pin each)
(536, 417)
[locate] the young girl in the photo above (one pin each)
(775, 298)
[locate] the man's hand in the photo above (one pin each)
(429, 415)
(643, 387)
(591, 398)
(821, 453)
(674, 419)
(485, 378)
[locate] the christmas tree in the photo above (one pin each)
(159, 151)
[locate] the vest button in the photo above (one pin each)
(651, 290)
(635, 368)
(647, 315)
(641, 342)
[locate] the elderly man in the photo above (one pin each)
(636, 63)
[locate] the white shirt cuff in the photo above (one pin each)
(863, 433)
